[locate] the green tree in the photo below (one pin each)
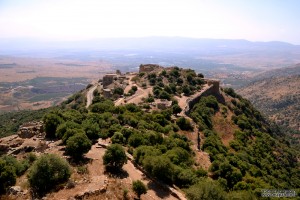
(186, 177)
(102, 107)
(176, 109)
(72, 115)
(136, 140)
(150, 99)
(175, 72)
(63, 127)
(119, 91)
(164, 95)
(230, 92)
(160, 167)
(47, 172)
(51, 122)
(179, 156)
(7, 176)
(134, 88)
(139, 188)
(163, 73)
(145, 151)
(78, 145)
(184, 124)
(91, 129)
(69, 133)
(186, 90)
(152, 81)
(18, 167)
(118, 138)
(114, 156)
(200, 75)
(205, 190)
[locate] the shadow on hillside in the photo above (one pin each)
(161, 192)
(79, 162)
(116, 173)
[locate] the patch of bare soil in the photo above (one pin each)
(203, 159)
(224, 127)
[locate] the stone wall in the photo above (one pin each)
(107, 93)
(213, 89)
(108, 79)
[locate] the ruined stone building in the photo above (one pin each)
(148, 67)
(108, 79)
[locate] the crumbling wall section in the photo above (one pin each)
(213, 89)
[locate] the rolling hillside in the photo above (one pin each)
(277, 94)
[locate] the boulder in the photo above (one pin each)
(25, 132)
(4, 147)
(14, 190)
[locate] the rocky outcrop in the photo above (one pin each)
(88, 193)
(30, 129)
(14, 190)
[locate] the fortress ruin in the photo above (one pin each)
(148, 67)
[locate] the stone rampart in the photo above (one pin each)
(212, 88)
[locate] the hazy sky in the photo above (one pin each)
(255, 20)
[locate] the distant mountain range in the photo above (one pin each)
(208, 46)
(187, 52)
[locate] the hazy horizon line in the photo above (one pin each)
(140, 37)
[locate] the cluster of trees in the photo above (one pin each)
(75, 131)
(11, 168)
(178, 81)
(170, 158)
(203, 111)
(256, 158)
(45, 172)
(76, 101)
(152, 137)
(132, 91)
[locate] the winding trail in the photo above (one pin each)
(195, 136)
(90, 96)
(137, 97)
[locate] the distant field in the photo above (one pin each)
(15, 69)
(31, 83)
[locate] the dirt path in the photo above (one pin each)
(201, 157)
(137, 97)
(92, 181)
(96, 179)
(154, 190)
(130, 84)
(90, 96)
